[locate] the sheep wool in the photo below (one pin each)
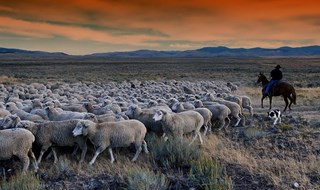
(17, 142)
(113, 134)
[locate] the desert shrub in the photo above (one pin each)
(285, 127)
(63, 165)
(207, 174)
(26, 181)
(175, 153)
(145, 179)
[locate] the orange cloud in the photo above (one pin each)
(166, 24)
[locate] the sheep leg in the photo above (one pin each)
(222, 123)
(54, 155)
(194, 138)
(96, 154)
(205, 130)
(33, 158)
(138, 147)
(227, 125)
(25, 161)
(43, 150)
(145, 147)
(165, 137)
(83, 152)
(200, 138)
(111, 155)
(238, 120)
(75, 150)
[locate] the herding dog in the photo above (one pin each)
(275, 115)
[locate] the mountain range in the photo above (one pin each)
(202, 52)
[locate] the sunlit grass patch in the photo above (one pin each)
(27, 181)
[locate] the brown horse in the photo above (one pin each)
(283, 89)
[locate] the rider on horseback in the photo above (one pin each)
(276, 76)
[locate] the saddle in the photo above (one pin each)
(273, 87)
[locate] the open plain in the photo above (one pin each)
(253, 156)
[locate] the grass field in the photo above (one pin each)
(238, 159)
(302, 72)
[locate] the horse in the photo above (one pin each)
(283, 89)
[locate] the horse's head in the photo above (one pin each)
(261, 77)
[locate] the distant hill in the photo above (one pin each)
(220, 51)
(20, 51)
(203, 52)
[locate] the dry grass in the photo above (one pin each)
(282, 171)
(281, 167)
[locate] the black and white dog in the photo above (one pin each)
(275, 115)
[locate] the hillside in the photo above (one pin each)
(219, 51)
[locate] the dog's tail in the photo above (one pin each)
(294, 96)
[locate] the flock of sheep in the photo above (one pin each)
(111, 115)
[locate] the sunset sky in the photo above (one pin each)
(88, 26)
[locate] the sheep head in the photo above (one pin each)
(11, 106)
(81, 128)
(25, 124)
(158, 116)
(10, 121)
(91, 117)
(131, 110)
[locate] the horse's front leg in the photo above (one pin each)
(270, 101)
(262, 100)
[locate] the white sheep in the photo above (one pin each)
(246, 103)
(113, 134)
(55, 133)
(10, 121)
(205, 112)
(220, 113)
(13, 109)
(55, 115)
(96, 110)
(146, 117)
(178, 124)
(234, 108)
(4, 112)
(17, 142)
(103, 118)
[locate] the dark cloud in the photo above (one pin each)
(313, 19)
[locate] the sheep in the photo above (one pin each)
(12, 108)
(113, 134)
(178, 124)
(186, 105)
(233, 87)
(246, 103)
(74, 108)
(37, 109)
(219, 112)
(54, 115)
(17, 142)
(55, 133)
(146, 117)
(205, 113)
(4, 112)
(10, 121)
(96, 110)
(99, 119)
(234, 98)
(234, 108)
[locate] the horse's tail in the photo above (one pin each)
(294, 96)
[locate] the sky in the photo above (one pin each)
(80, 27)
